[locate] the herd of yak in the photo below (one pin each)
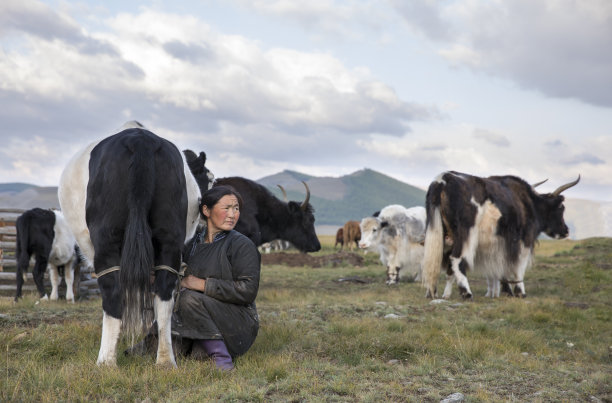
(129, 202)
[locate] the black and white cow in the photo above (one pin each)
(397, 234)
(46, 235)
(489, 225)
(132, 202)
(264, 217)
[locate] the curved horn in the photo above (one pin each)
(565, 187)
(284, 193)
(538, 183)
(305, 203)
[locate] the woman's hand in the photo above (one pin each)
(193, 283)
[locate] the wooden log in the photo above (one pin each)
(5, 276)
(12, 210)
(8, 221)
(8, 245)
(8, 231)
(93, 283)
(8, 262)
(12, 288)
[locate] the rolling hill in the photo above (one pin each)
(26, 196)
(349, 197)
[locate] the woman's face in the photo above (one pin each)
(224, 215)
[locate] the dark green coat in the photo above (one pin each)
(226, 309)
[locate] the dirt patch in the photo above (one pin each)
(304, 259)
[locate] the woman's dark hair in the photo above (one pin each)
(212, 196)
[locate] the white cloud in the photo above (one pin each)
(558, 47)
(490, 137)
(329, 18)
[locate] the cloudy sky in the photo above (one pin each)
(409, 88)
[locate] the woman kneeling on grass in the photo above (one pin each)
(215, 314)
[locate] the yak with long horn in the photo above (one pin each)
(264, 217)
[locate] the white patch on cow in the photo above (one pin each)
(163, 313)
(132, 124)
(108, 346)
(62, 253)
(62, 248)
(72, 194)
(193, 201)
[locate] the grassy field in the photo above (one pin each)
(327, 340)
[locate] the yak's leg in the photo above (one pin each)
(491, 287)
(496, 287)
(55, 281)
(459, 267)
(448, 289)
(392, 274)
(505, 287)
(461, 258)
(518, 274)
(519, 290)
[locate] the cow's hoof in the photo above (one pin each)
(107, 363)
(465, 293)
(166, 365)
(391, 282)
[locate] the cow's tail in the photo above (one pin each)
(137, 256)
(434, 244)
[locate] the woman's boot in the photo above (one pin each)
(217, 350)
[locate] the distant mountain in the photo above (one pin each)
(337, 200)
(349, 197)
(27, 196)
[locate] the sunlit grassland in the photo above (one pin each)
(327, 340)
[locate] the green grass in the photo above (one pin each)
(324, 340)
